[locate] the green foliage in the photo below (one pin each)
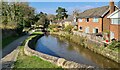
(37, 33)
(53, 26)
(68, 28)
(42, 20)
(61, 13)
(114, 45)
(17, 15)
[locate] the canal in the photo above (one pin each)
(63, 48)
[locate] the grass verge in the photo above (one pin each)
(24, 61)
(37, 33)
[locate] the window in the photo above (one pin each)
(80, 20)
(87, 19)
(115, 21)
(112, 35)
(95, 19)
(95, 30)
(80, 28)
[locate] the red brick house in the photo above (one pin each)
(95, 20)
(115, 25)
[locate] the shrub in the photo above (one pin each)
(68, 28)
(114, 45)
(53, 26)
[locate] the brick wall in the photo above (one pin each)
(116, 30)
(106, 23)
(90, 24)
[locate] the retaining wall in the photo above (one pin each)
(58, 61)
(115, 56)
(98, 47)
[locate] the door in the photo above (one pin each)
(111, 35)
(87, 30)
(95, 30)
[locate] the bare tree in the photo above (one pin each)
(76, 12)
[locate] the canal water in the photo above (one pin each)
(60, 47)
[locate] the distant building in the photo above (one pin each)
(71, 20)
(95, 20)
(115, 25)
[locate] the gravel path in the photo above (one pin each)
(10, 52)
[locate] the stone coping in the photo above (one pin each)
(55, 60)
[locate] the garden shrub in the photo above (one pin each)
(68, 28)
(114, 45)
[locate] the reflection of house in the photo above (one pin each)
(95, 20)
(115, 25)
(69, 21)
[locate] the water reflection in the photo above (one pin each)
(60, 47)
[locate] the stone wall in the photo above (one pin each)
(58, 61)
(97, 47)
(89, 36)
(103, 51)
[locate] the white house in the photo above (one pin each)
(115, 25)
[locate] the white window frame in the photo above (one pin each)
(95, 19)
(80, 20)
(115, 21)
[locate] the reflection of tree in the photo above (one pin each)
(71, 46)
(60, 40)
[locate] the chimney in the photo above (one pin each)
(111, 6)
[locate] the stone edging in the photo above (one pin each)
(58, 61)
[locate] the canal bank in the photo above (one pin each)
(29, 50)
(93, 46)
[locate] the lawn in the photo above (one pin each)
(24, 61)
(37, 33)
(8, 40)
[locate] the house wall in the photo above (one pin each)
(106, 23)
(116, 30)
(90, 24)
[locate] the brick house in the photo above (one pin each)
(95, 20)
(115, 25)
